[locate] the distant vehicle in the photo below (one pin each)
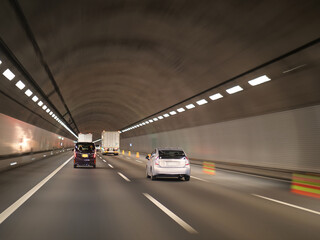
(168, 162)
(97, 148)
(110, 142)
(85, 137)
(84, 154)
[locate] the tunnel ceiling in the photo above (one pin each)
(114, 63)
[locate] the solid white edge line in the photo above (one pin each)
(110, 165)
(178, 220)
(124, 177)
(6, 213)
(200, 179)
(287, 204)
(139, 161)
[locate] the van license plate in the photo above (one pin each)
(84, 155)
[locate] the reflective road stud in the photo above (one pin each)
(209, 168)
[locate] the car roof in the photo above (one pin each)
(170, 148)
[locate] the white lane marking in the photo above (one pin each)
(6, 213)
(287, 204)
(200, 179)
(104, 160)
(139, 161)
(124, 177)
(254, 175)
(178, 220)
(110, 165)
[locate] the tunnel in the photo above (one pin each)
(234, 85)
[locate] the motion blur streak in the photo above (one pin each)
(308, 185)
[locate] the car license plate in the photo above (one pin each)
(84, 155)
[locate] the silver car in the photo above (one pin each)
(168, 162)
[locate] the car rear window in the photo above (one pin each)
(85, 147)
(175, 154)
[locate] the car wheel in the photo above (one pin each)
(153, 177)
(75, 166)
(147, 174)
(187, 178)
(94, 166)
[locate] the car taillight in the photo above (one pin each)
(94, 155)
(156, 162)
(74, 153)
(187, 161)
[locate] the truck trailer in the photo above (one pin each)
(110, 142)
(85, 137)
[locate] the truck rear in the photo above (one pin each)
(85, 137)
(110, 142)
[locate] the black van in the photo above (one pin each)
(84, 154)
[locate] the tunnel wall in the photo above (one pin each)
(285, 140)
(18, 137)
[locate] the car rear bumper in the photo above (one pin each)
(171, 171)
(85, 162)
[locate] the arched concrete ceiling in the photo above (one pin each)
(117, 62)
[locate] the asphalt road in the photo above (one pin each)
(117, 201)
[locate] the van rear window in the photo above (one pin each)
(175, 154)
(85, 147)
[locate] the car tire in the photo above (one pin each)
(94, 166)
(153, 177)
(187, 178)
(75, 166)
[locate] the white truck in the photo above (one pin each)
(110, 142)
(85, 137)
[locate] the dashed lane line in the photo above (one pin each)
(177, 219)
(124, 177)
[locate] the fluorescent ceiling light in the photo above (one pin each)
(28, 93)
(259, 80)
(0, 61)
(160, 117)
(155, 119)
(8, 74)
(150, 120)
(20, 85)
(143, 123)
(234, 89)
(50, 113)
(44, 107)
(40, 103)
(166, 115)
(146, 122)
(173, 113)
(180, 110)
(48, 110)
(202, 101)
(35, 98)
(190, 106)
(216, 96)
